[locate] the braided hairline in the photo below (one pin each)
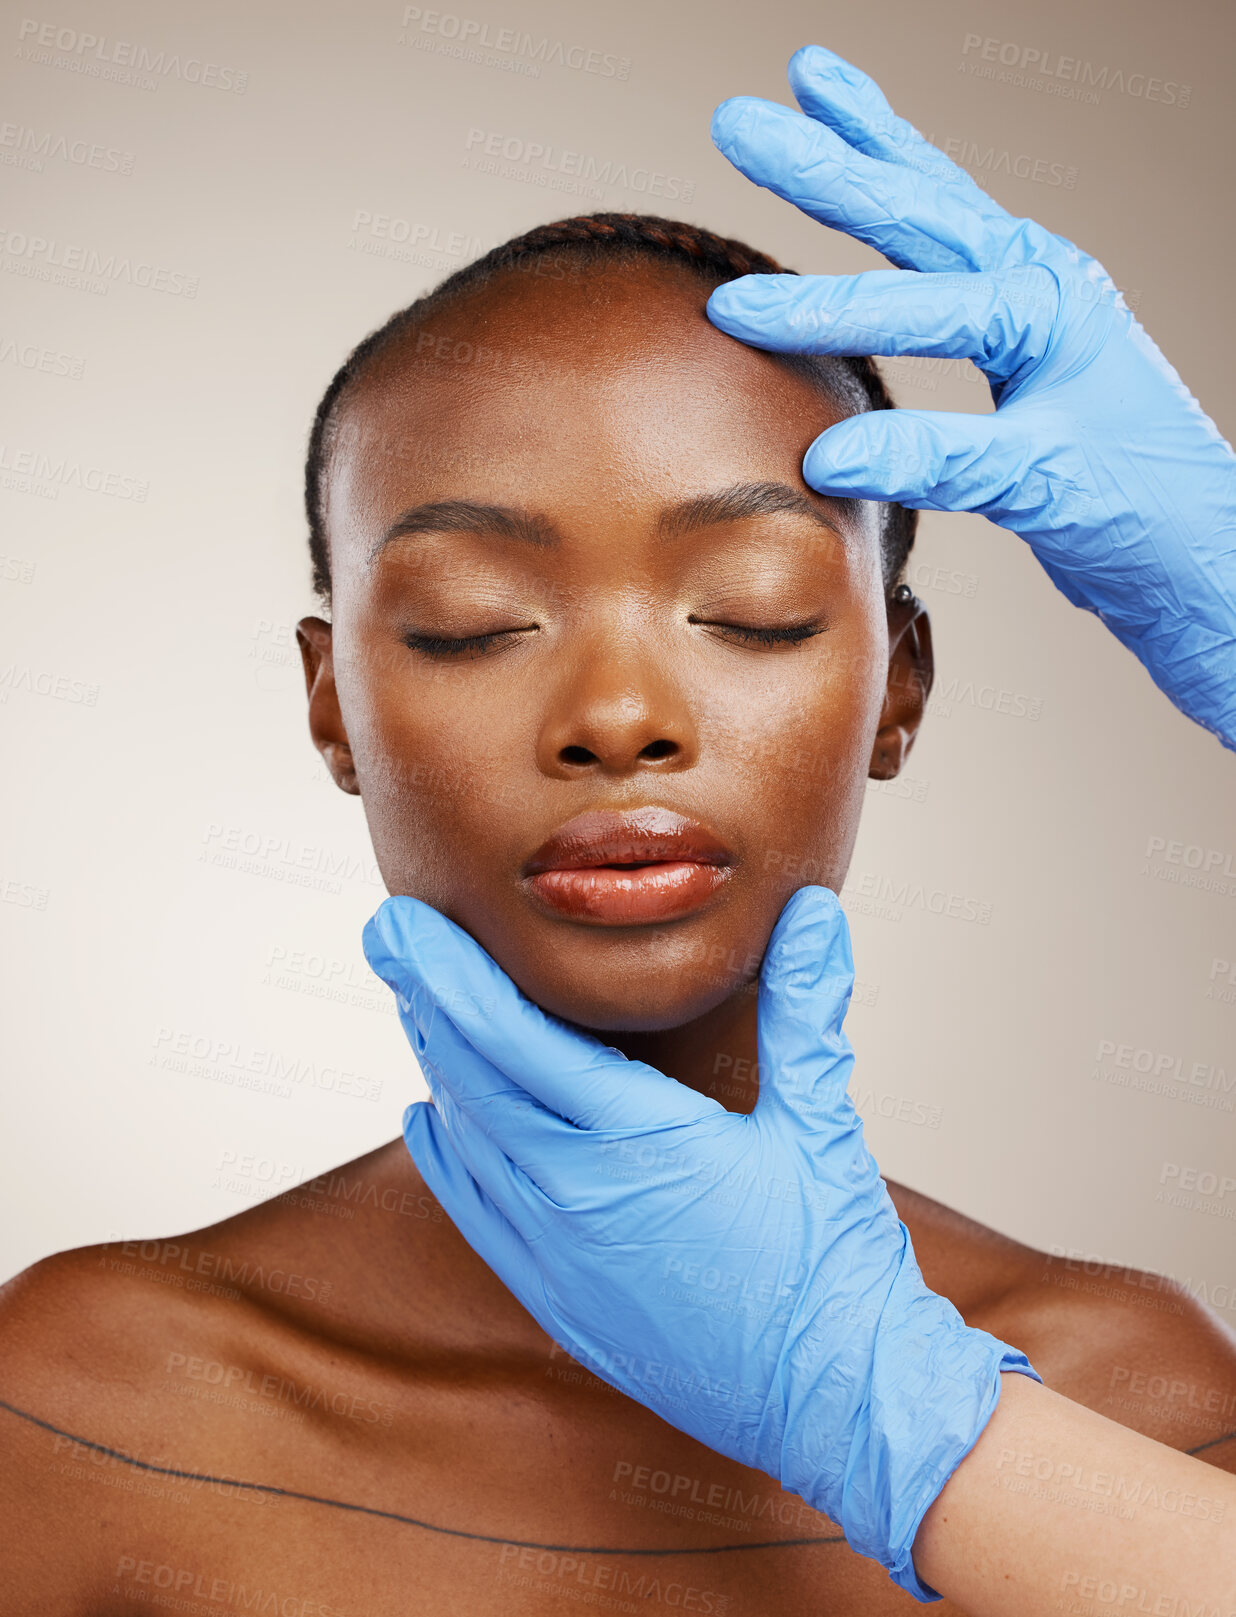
(637, 230)
(719, 257)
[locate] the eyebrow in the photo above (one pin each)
(467, 516)
(737, 503)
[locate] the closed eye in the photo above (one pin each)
(747, 634)
(466, 645)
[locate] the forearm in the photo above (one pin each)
(1057, 1506)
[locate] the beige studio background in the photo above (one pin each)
(188, 1021)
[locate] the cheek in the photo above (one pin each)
(436, 751)
(796, 733)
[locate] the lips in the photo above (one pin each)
(629, 867)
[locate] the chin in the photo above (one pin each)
(610, 1013)
(611, 986)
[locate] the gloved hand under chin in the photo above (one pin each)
(1097, 453)
(759, 1256)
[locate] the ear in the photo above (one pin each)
(911, 670)
(325, 720)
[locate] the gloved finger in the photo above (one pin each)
(501, 1181)
(1002, 322)
(543, 1145)
(589, 1170)
(483, 1225)
(412, 947)
(933, 460)
(835, 92)
(805, 1059)
(917, 222)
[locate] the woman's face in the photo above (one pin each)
(656, 617)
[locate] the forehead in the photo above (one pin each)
(608, 385)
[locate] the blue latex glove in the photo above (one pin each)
(1097, 453)
(642, 1224)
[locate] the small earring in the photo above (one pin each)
(902, 594)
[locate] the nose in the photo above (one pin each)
(617, 711)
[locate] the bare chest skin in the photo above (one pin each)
(329, 1405)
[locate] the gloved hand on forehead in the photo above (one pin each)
(1097, 454)
(756, 1259)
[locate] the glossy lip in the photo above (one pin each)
(628, 867)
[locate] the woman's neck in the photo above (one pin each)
(714, 1055)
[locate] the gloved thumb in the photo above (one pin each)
(805, 1059)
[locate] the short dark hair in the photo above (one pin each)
(598, 238)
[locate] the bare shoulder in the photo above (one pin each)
(79, 1334)
(228, 1350)
(1133, 1345)
(293, 1275)
(77, 1328)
